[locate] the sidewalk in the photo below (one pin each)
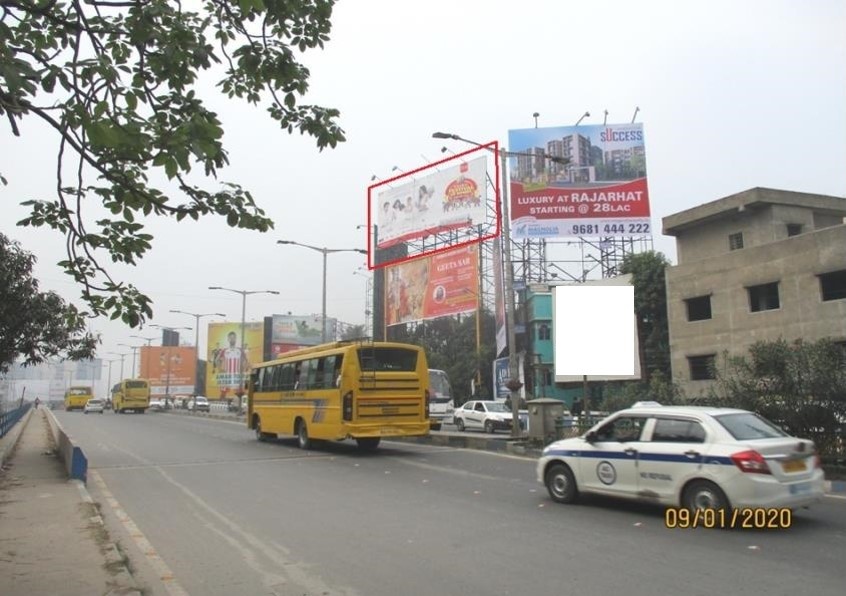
(53, 540)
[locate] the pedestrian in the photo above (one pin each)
(37, 401)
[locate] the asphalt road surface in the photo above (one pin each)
(202, 508)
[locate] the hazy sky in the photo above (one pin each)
(732, 95)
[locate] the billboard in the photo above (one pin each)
(587, 180)
(301, 330)
(442, 284)
(451, 198)
(501, 376)
(170, 370)
(595, 331)
(226, 360)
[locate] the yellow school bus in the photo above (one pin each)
(77, 397)
(341, 390)
(131, 395)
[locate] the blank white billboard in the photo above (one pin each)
(595, 331)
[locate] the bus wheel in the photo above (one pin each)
(368, 444)
(303, 439)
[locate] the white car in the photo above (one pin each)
(487, 415)
(693, 457)
(94, 405)
(156, 405)
(198, 404)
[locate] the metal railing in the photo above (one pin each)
(9, 418)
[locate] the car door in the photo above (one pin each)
(674, 452)
(608, 462)
(477, 415)
(464, 413)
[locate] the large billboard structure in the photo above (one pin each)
(284, 333)
(443, 284)
(226, 361)
(601, 190)
(417, 205)
(171, 370)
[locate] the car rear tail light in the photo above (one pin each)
(428, 399)
(348, 406)
(751, 462)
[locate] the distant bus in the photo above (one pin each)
(77, 397)
(343, 390)
(131, 395)
(441, 403)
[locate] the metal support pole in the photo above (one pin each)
(514, 381)
(323, 324)
(240, 391)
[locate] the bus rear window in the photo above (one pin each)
(387, 359)
(136, 384)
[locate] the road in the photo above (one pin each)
(201, 503)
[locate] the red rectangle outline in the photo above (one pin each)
(493, 147)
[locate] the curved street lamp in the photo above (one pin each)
(324, 252)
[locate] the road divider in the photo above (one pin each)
(76, 464)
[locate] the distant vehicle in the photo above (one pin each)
(198, 404)
(157, 405)
(693, 457)
(487, 415)
(441, 403)
(360, 390)
(94, 405)
(131, 395)
(77, 397)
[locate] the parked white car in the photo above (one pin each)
(693, 457)
(487, 415)
(198, 404)
(94, 405)
(156, 405)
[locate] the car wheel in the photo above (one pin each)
(489, 427)
(703, 494)
(435, 426)
(460, 424)
(303, 439)
(561, 484)
(85, 412)
(368, 444)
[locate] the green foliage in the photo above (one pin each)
(619, 396)
(647, 269)
(800, 386)
(35, 325)
(117, 82)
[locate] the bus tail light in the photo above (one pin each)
(428, 399)
(751, 462)
(348, 406)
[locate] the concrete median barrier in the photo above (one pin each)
(76, 464)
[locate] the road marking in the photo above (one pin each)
(836, 497)
(156, 562)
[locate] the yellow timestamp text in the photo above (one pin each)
(753, 518)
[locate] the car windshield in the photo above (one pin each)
(95, 402)
(497, 407)
(747, 426)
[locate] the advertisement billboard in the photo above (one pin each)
(226, 360)
(430, 287)
(170, 370)
(587, 180)
(595, 331)
(501, 376)
(451, 198)
(300, 330)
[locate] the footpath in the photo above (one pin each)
(52, 538)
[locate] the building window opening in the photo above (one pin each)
(763, 297)
(833, 285)
(736, 241)
(699, 308)
(543, 332)
(702, 368)
(794, 229)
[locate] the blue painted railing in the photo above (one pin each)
(10, 418)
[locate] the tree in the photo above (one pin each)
(799, 385)
(33, 324)
(117, 80)
(354, 332)
(647, 269)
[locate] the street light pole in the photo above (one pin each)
(244, 293)
(134, 355)
(122, 356)
(197, 340)
(325, 252)
(148, 340)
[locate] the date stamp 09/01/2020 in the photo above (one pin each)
(755, 518)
